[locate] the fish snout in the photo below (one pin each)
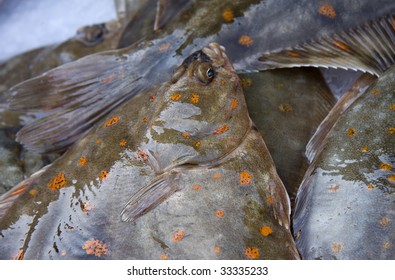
(217, 54)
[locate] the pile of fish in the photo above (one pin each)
(169, 134)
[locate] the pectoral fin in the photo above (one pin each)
(369, 48)
(150, 196)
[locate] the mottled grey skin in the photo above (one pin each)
(345, 208)
(254, 28)
(88, 40)
(218, 187)
(287, 106)
(15, 161)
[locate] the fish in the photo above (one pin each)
(178, 172)
(88, 40)
(78, 94)
(345, 205)
(287, 106)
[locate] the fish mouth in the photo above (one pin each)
(217, 55)
(213, 53)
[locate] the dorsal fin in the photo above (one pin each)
(318, 141)
(369, 48)
(77, 94)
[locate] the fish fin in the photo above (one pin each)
(77, 94)
(369, 48)
(150, 196)
(318, 141)
(281, 207)
(167, 10)
(10, 197)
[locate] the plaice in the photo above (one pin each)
(345, 205)
(164, 176)
(80, 93)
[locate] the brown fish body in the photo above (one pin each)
(153, 182)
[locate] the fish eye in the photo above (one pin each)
(210, 73)
(205, 72)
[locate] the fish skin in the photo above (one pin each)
(345, 205)
(96, 177)
(258, 20)
(287, 106)
(88, 40)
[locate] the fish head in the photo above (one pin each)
(201, 109)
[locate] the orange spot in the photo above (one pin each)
(234, 104)
(57, 182)
(222, 129)
(217, 176)
(152, 98)
(252, 253)
(222, 82)
(195, 98)
(186, 135)
(228, 15)
(95, 247)
(266, 230)
(141, 155)
(145, 119)
(370, 187)
(197, 187)
(197, 144)
(217, 249)
(384, 221)
(269, 200)
(391, 130)
(103, 175)
(220, 213)
(123, 143)
(385, 166)
(98, 142)
(164, 257)
(336, 247)
(175, 97)
(32, 192)
(246, 41)
(82, 161)
(351, 132)
(19, 189)
(178, 235)
(364, 149)
(392, 107)
(86, 207)
(391, 178)
(333, 188)
(164, 47)
(285, 107)
(246, 82)
(112, 121)
(375, 91)
(245, 178)
(293, 54)
(341, 45)
(327, 10)
(19, 256)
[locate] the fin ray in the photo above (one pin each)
(149, 197)
(369, 48)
